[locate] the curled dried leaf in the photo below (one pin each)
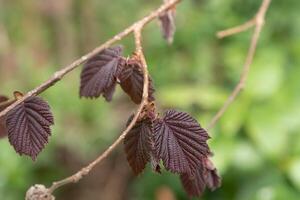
(99, 74)
(180, 142)
(167, 22)
(132, 81)
(28, 126)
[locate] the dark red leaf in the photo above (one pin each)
(180, 142)
(132, 82)
(3, 131)
(167, 21)
(205, 176)
(4, 103)
(139, 145)
(194, 185)
(3, 98)
(28, 126)
(99, 74)
(213, 180)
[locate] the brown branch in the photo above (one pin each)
(136, 29)
(259, 22)
(57, 76)
(84, 171)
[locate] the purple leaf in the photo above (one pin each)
(99, 74)
(213, 181)
(205, 176)
(3, 99)
(3, 131)
(139, 145)
(194, 185)
(132, 82)
(180, 142)
(4, 103)
(28, 126)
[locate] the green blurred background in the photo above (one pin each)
(256, 143)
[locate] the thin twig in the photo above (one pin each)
(84, 171)
(259, 22)
(57, 76)
(237, 29)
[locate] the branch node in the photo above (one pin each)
(57, 75)
(259, 20)
(84, 58)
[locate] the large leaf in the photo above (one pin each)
(99, 74)
(205, 176)
(132, 81)
(139, 145)
(180, 142)
(28, 126)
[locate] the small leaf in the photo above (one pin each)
(213, 181)
(132, 81)
(180, 142)
(99, 74)
(4, 103)
(3, 99)
(139, 145)
(28, 126)
(205, 176)
(167, 21)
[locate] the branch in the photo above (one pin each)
(57, 76)
(258, 22)
(136, 29)
(84, 171)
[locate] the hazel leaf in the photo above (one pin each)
(194, 185)
(4, 103)
(205, 176)
(99, 74)
(28, 126)
(132, 82)
(180, 142)
(213, 180)
(139, 145)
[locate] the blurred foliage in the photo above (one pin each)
(256, 143)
